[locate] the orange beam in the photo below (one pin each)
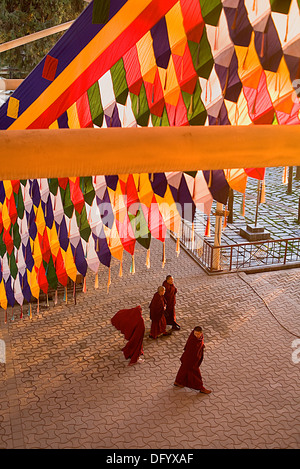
(84, 152)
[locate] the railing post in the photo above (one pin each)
(210, 253)
(211, 257)
(218, 234)
(285, 252)
(230, 262)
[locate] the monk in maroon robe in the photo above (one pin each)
(170, 297)
(157, 316)
(189, 374)
(131, 323)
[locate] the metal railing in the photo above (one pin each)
(257, 255)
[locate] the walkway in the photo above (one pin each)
(66, 384)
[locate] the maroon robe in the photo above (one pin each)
(189, 373)
(131, 323)
(170, 297)
(157, 316)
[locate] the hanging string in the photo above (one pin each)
(38, 304)
(207, 228)
(30, 311)
(164, 255)
(298, 72)
(165, 85)
(235, 19)
(226, 83)
(13, 314)
(84, 285)
(74, 292)
(193, 235)
(190, 111)
(47, 301)
(262, 49)
(178, 245)
(132, 267)
(55, 297)
(210, 179)
(121, 268)
(284, 175)
(181, 73)
(287, 28)
(225, 217)
(198, 55)
(5, 316)
(109, 280)
(254, 104)
(242, 209)
(21, 315)
(216, 42)
(263, 192)
(245, 58)
(66, 294)
(148, 259)
(236, 114)
(96, 281)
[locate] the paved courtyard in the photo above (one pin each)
(278, 214)
(66, 384)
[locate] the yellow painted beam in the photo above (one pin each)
(85, 152)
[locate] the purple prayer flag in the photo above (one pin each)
(161, 45)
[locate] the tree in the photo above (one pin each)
(21, 17)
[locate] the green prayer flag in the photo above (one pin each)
(196, 111)
(280, 6)
(211, 11)
(19, 203)
(88, 189)
(53, 185)
(140, 228)
(202, 57)
(2, 245)
(12, 265)
(162, 121)
(16, 236)
(84, 227)
(51, 274)
(140, 107)
(120, 86)
(67, 202)
(101, 11)
(95, 103)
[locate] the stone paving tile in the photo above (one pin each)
(278, 214)
(73, 388)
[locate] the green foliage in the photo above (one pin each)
(21, 17)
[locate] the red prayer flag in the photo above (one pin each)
(50, 67)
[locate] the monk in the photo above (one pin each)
(170, 297)
(157, 316)
(131, 323)
(189, 374)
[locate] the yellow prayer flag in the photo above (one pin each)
(13, 108)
